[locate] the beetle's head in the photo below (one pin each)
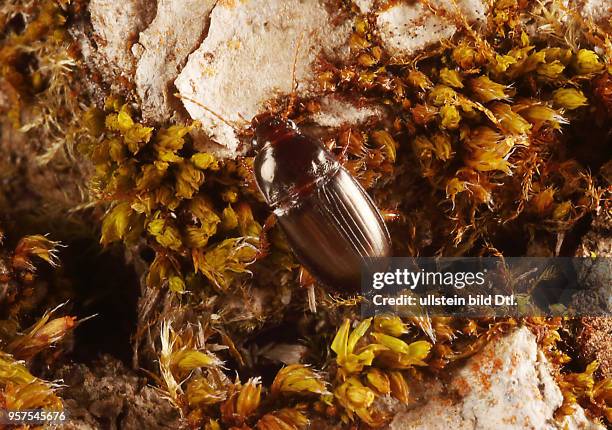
(268, 127)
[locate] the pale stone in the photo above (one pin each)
(248, 56)
(599, 11)
(408, 27)
(177, 30)
(336, 111)
(365, 6)
(507, 386)
(286, 353)
(116, 25)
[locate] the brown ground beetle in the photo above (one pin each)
(330, 221)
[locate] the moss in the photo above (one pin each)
(484, 121)
(23, 55)
(19, 389)
(581, 388)
(503, 112)
(476, 145)
(164, 191)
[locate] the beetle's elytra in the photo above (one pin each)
(330, 221)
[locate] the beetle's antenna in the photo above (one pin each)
(232, 124)
(242, 118)
(294, 84)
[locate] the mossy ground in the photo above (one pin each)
(493, 136)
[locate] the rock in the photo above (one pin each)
(595, 279)
(600, 11)
(595, 332)
(598, 240)
(116, 25)
(408, 27)
(178, 28)
(286, 353)
(248, 56)
(336, 111)
(365, 6)
(507, 386)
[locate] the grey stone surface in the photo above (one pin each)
(337, 111)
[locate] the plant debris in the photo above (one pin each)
(493, 143)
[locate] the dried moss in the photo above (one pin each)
(482, 121)
(39, 75)
(502, 105)
(19, 389)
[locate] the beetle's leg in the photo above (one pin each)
(390, 215)
(350, 142)
(264, 241)
(343, 157)
(235, 126)
(306, 280)
(344, 143)
(249, 179)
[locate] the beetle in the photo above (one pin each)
(331, 223)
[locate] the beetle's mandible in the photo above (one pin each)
(330, 221)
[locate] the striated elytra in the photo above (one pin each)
(331, 223)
